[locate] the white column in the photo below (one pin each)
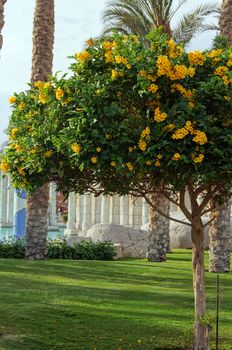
(71, 224)
(52, 205)
(10, 202)
(135, 212)
(114, 210)
(124, 210)
(3, 200)
(145, 217)
(79, 204)
(86, 223)
(98, 201)
(105, 210)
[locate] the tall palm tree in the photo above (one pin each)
(220, 230)
(2, 3)
(140, 17)
(42, 57)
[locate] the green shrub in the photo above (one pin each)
(59, 249)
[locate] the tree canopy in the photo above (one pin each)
(127, 119)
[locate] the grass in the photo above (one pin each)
(86, 305)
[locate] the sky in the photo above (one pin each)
(76, 21)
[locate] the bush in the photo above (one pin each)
(59, 249)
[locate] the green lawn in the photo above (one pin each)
(86, 305)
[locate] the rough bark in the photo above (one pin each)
(37, 224)
(2, 22)
(158, 233)
(201, 327)
(226, 19)
(219, 246)
(220, 240)
(42, 57)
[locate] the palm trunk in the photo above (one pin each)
(42, 57)
(2, 3)
(37, 224)
(158, 234)
(219, 248)
(201, 327)
(226, 21)
(220, 244)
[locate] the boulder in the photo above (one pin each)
(132, 243)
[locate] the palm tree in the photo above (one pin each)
(140, 17)
(221, 227)
(2, 3)
(42, 57)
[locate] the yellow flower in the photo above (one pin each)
(148, 162)
(82, 56)
(221, 71)
(113, 163)
(145, 132)
(143, 73)
(178, 72)
(48, 153)
(164, 66)
(128, 66)
(199, 158)
(98, 149)
(130, 166)
(59, 93)
(142, 145)
(94, 159)
(159, 156)
(159, 116)
(153, 88)
(13, 133)
(21, 171)
(76, 147)
(200, 137)
(39, 84)
(108, 45)
(157, 163)
(90, 42)
(108, 57)
(196, 58)
(18, 148)
(114, 74)
(43, 98)
(180, 134)
(47, 85)
(22, 106)
(191, 71)
(130, 149)
(4, 167)
(12, 99)
(176, 156)
(170, 126)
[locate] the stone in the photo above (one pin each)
(133, 243)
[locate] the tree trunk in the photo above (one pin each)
(2, 22)
(201, 327)
(226, 19)
(158, 233)
(220, 244)
(219, 248)
(42, 57)
(37, 224)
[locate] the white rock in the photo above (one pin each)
(133, 242)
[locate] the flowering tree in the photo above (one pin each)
(144, 121)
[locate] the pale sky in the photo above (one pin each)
(76, 21)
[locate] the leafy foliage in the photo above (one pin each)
(59, 249)
(128, 117)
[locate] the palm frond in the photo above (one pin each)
(192, 23)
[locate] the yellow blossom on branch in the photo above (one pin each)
(83, 56)
(76, 147)
(59, 93)
(200, 137)
(48, 153)
(4, 167)
(176, 156)
(130, 166)
(94, 160)
(160, 116)
(12, 99)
